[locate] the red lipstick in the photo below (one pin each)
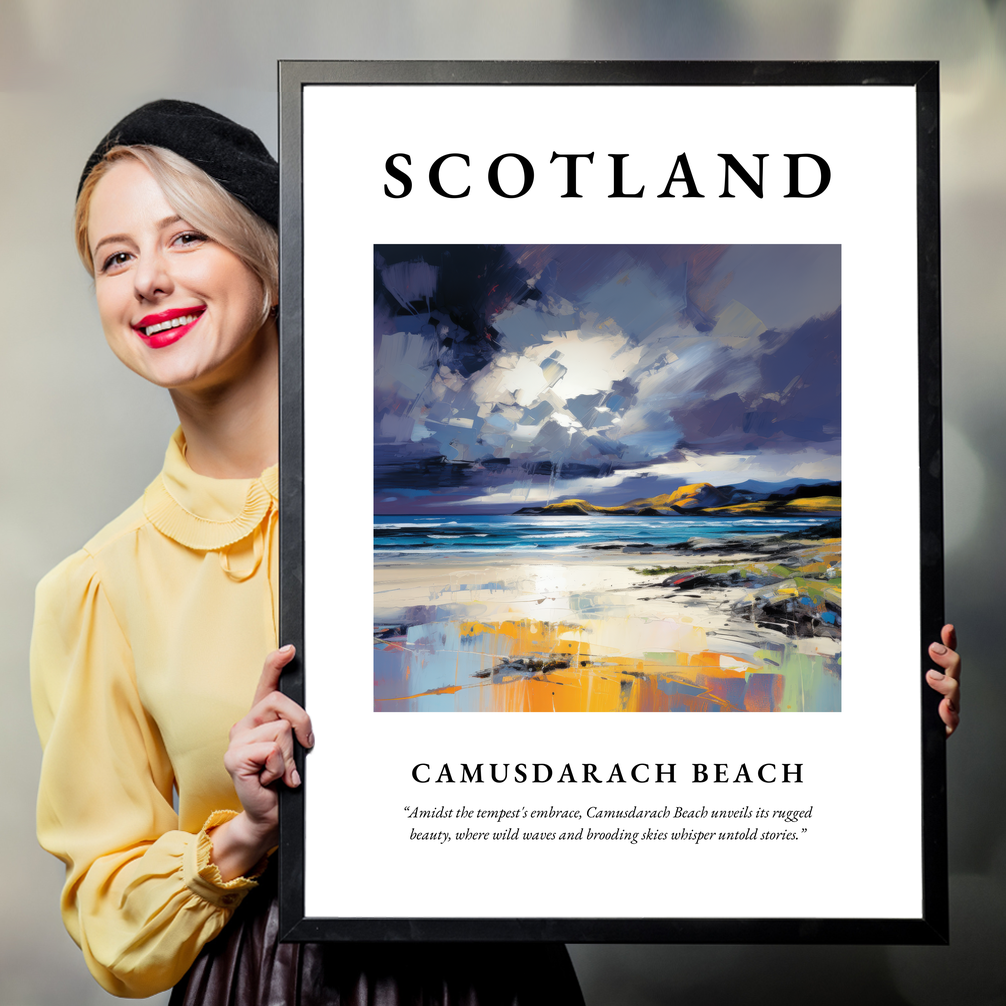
(166, 327)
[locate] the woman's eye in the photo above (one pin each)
(190, 238)
(114, 261)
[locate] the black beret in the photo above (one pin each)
(231, 154)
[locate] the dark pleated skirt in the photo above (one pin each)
(246, 965)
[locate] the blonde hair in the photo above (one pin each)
(199, 200)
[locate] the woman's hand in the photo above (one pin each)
(948, 681)
(260, 753)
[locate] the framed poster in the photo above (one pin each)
(633, 371)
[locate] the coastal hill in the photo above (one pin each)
(703, 499)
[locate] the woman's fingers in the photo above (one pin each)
(264, 739)
(949, 636)
(274, 766)
(947, 657)
(277, 706)
(270, 703)
(949, 709)
(950, 716)
(271, 671)
(261, 749)
(947, 680)
(947, 686)
(259, 761)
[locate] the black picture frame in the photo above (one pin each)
(931, 927)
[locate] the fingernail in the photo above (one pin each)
(310, 740)
(295, 777)
(936, 675)
(938, 648)
(287, 649)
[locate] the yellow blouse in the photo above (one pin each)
(147, 647)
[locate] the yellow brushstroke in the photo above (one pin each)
(593, 682)
(446, 690)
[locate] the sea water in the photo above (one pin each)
(404, 535)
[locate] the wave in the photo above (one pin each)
(501, 535)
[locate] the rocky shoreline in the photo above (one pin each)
(792, 583)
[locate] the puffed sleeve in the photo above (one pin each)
(141, 897)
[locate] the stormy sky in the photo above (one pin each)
(508, 376)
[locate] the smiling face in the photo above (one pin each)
(177, 307)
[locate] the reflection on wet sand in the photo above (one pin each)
(590, 635)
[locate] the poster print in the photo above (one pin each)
(686, 316)
(607, 478)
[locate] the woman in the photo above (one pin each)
(148, 643)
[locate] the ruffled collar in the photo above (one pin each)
(203, 513)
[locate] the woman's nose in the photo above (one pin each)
(152, 277)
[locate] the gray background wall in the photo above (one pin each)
(81, 436)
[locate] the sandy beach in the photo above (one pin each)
(587, 631)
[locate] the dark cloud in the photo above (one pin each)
(396, 471)
(797, 399)
(576, 271)
(501, 369)
(457, 289)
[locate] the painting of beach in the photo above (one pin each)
(607, 478)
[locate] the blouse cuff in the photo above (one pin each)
(202, 876)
